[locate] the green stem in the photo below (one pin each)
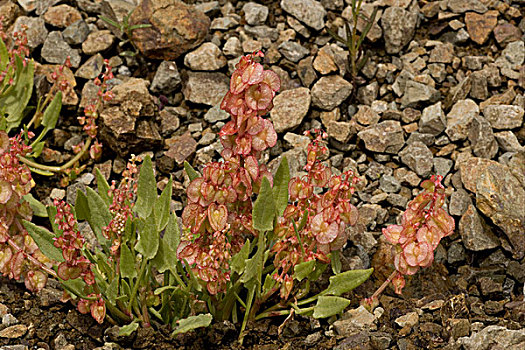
(136, 285)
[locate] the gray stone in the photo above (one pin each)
(206, 57)
(427, 139)
(401, 81)
(224, 23)
(384, 137)
(460, 118)
(306, 72)
(456, 253)
(289, 108)
(512, 56)
(493, 337)
(443, 53)
(389, 184)
(215, 114)
(293, 50)
(418, 158)
(167, 78)
(262, 32)
(36, 30)
(355, 320)
(169, 120)
(475, 233)
(482, 139)
(432, 120)
(366, 116)
(309, 12)
(339, 130)
(76, 32)
(255, 13)
(462, 6)
(56, 50)
(206, 88)
(409, 320)
(232, 47)
(330, 91)
(504, 116)
(442, 166)
(398, 28)
(508, 141)
(92, 68)
(98, 41)
(416, 93)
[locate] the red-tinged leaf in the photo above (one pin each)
(398, 282)
(83, 306)
(5, 257)
(272, 79)
(5, 191)
(217, 216)
(98, 311)
(35, 280)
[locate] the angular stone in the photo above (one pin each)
(289, 108)
(56, 50)
(409, 320)
(366, 116)
(92, 68)
(432, 120)
(506, 33)
(255, 13)
(462, 6)
(167, 78)
(36, 30)
(482, 139)
(459, 119)
(355, 320)
(324, 62)
(442, 166)
(206, 88)
(176, 28)
(13, 332)
(232, 47)
(398, 28)
(492, 337)
(310, 12)
(508, 141)
(293, 50)
(206, 57)
(470, 170)
(330, 91)
(479, 26)
(512, 56)
(416, 93)
(62, 16)
(76, 32)
(181, 148)
(418, 158)
(341, 131)
(459, 202)
(504, 116)
(384, 137)
(475, 233)
(97, 42)
(306, 72)
(443, 53)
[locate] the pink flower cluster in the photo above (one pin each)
(423, 225)
(19, 49)
(218, 213)
(320, 217)
(19, 254)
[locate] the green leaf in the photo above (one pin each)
(44, 240)
(280, 186)
(335, 260)
(264, 208)
(127, 263)
(328, 306)
(303, 269)
(75, 287)
(172, 234)
(162, 206)
(4, 56)
(192, 173)
(50, 117)
(103, 187)
(148, 241)
(112, 290)
(320, 267)
(346, 281)
(38, 208)
(37, 148)
(192, 322)
(238, 261)
(15, 100)
(161, 261)
(99, 214)
(128, 329)
(146, 189)
(51, 213)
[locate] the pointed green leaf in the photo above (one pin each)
(148, 241)
(100, 216)
(238, 261)
(329, 305)
(37, 149)
(192, 173)
(38, 208)
(127, 263)
(15, 100)
(51, 213)
(192, 322)
(112, 290)
(346, 281)
(162, 206)
(335, 260)
(303, 269)
(146, 189)
(263, 211)
(280, 186)
(50, 117)
(172, 234)
(82, 206)
(44, 240)
(4, 56)
(103, 187)
(128, 329)
(160, 261)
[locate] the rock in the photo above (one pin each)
(13, 332)
(167, 78)
(97, 42)
(432, 120)
(206, 88)
(176, 28)
(10, 12)
(289, 108)
(442, 166)
(475, 233)
(255, 13)
(181, 148)
(479, 26)
(232, 47)
(459, 119)
(69, 96)
(206, 57)
(368, 94)
(504, 116)
(500, 196)
(92, 68)
(416, 93)
(389, 184)
(479, 85)
(375, 32)
(384, 137)
(409, 320)
(482, 139)
(224, 23)
(508, 141)
(443, 53)
(341, 131)
(366, 116)
(324, 62)
(216, 114)
(418, 158)
(293, 51)
(398, 28)
(459, 202)
(76, 33)
(36, 30)
(512, 56)
(310, 12)
(492, 337)
(456, 253)
(56, 50)
(169, 120)
(462, 6)
(306, 72)
(330, 91)
(355, 320)
(506, 33)
(62, 16)
(297, 141)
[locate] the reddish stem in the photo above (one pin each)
(383, 286)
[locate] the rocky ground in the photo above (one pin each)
(442, 92)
